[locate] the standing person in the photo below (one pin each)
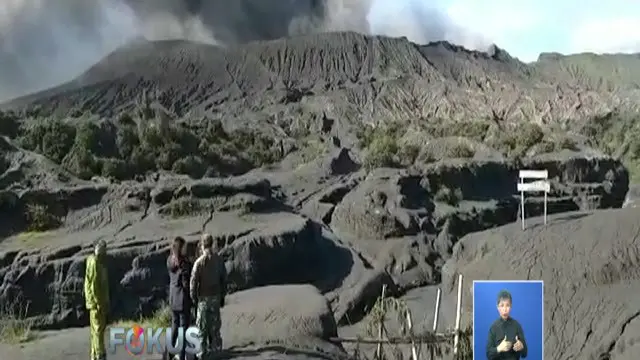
(506, 338)
(96, 294)
(179, 295)
(208, 288)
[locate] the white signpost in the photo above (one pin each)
(541, 184)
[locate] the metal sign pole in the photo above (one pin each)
(522, 208)
(545, 207)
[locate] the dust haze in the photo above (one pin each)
(44, 43)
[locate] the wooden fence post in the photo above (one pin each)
(434, 339)
(458, 314)
(414, 351)
(437, 310)
(381, 325)
(436, 313)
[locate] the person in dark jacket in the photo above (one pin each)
(179, 294)
(506, 338)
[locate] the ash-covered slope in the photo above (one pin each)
(607, 71)
(361, 76)
(589, 265)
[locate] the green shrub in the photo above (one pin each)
(527, 135)
(140, 161)
(166, 158)
(15, 326)
(312, 148)
(160, 318)
(612, 132)
(40, 218)
(365, 134)
(87, 137)
(381, 152)
(514, 141)
(114, 168)
(50, 137)
(598, 129)
(125, 120)
(448, 196)
(368, 134)
(127, 140)
(190, 165)
(381, 148)
(566, 143)
(619, 135)
(81, 163)
(459, 151)
(426, 157)
(123, 148)
(473, 130)
(546, 147)
(408, 154)
(258, 149)
(183, 207)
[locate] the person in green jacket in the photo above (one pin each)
(96, 294)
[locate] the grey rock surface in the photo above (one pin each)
(589, 265)
(588, 262)
(388, 228)
(295, 316)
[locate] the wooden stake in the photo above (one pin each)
(458, 314)
(381, 325)
(414, 351)
(437, 310)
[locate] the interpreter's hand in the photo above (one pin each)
(518, 345)
(505, 345)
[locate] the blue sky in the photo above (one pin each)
(522, 27)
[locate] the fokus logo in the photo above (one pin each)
(139, 341)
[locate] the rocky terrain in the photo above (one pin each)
(341, 161)
(589, 264)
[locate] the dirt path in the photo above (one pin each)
(74, 344)
(60, 345)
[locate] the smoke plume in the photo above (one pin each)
(44, 42)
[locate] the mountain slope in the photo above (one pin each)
(608, 71)
(371, 78)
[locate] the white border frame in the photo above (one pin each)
(473, 297)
